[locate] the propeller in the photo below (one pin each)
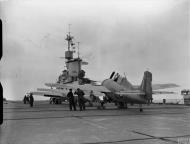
(111, 76)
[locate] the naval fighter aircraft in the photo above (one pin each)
(116, 89)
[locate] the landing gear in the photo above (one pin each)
(101, 106)
(141, 109)
(55, 101)
(122, 105)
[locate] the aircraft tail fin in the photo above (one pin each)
(146, 85)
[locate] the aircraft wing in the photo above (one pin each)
(61, 91)
(163, 86)
(47, 94)
(84, 87)
(98, 90)
(57, 85)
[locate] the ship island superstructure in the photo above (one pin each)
(73, 71)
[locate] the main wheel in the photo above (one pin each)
(141, 110)
(120, 105)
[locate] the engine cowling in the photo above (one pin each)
(112, 85)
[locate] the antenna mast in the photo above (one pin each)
(69, 28)
(69, 38)
(78, 49)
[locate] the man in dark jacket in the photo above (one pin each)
(24, 100)
(81, 99)
(31, 100)
(71, 100)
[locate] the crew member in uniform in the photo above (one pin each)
(31, 100)
(71, 100)
(81, 99)
(24, 100)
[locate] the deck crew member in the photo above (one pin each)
(81, 99)
(31, 100)
(71, 100)
(24, 100)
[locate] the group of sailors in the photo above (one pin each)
(81, 99)
(29, 99)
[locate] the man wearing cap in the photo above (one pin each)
(71, 100)
(81, 99)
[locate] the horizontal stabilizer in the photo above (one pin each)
(163, 92)
(164, 86)
(136, 92)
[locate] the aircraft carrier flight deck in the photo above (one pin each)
(47, 124)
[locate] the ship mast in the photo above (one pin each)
(73, 65)
(78, 49)
(69, 39)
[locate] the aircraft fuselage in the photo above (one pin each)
(118, 93)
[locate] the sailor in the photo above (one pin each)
(27, 99)
(81, 99)
(50, 100)
(24, 100)
(31, 100)
(71, 100)
(92, 96)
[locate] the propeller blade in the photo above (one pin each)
(111, 76)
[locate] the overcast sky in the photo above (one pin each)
(115, 35)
